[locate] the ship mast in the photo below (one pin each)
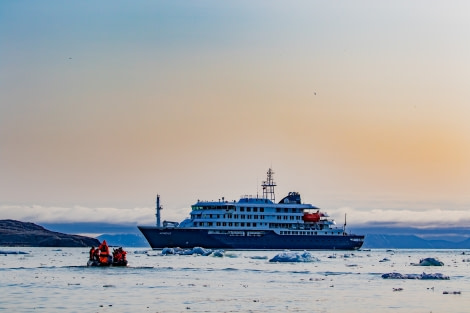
(268, 186)
(158, 208)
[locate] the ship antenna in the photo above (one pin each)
(158, 208)
(268, 186)
(344, 227)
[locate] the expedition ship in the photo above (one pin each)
(253, 223)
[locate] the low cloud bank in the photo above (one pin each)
(146, 216)
(77, 214)
(403, 217)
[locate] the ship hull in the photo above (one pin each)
(159, 238)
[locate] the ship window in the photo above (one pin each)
(235, 216)
(236, 224)
(254, 224)
(209, 224)
(249, 217)
(256, 217)
(291, 217)
(248, 209)
(224, 224)
(242, 209)
(218, 224)
(278, 210)
(230, 224)
(242, 216)
(286, 210)
(241, 224)
(248, 224)
(255, 209)
(261, 209)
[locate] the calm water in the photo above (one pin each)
(57, 280)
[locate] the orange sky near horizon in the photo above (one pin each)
(349, 105)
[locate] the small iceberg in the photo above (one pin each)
(288, 256)
(218, 253)
(423, 276)
(179, 251)
(385, 260)
(429, 262)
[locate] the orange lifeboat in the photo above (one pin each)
(311, 217)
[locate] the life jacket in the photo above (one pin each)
(104, 252)
(117, 256)
(104, 249)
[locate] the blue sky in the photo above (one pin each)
(361, 106)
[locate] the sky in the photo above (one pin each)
(361, 106)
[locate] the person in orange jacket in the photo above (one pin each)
(123, 254)
(104, 252)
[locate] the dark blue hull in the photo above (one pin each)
(160, 238)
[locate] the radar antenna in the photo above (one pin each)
(268, 186)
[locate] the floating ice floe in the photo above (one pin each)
(385, 260)
(140, 252)
(438, 276)
(429, 262)
(13, 252)
(451, 292)
(288, 256)
(195, 250)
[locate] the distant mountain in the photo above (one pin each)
(124, 240)
(453, 234)
(380, 241)
(385, 237)
(372, 241)
(21, 234)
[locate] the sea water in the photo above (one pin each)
(57, 280)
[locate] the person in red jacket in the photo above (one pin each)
(104, 253)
